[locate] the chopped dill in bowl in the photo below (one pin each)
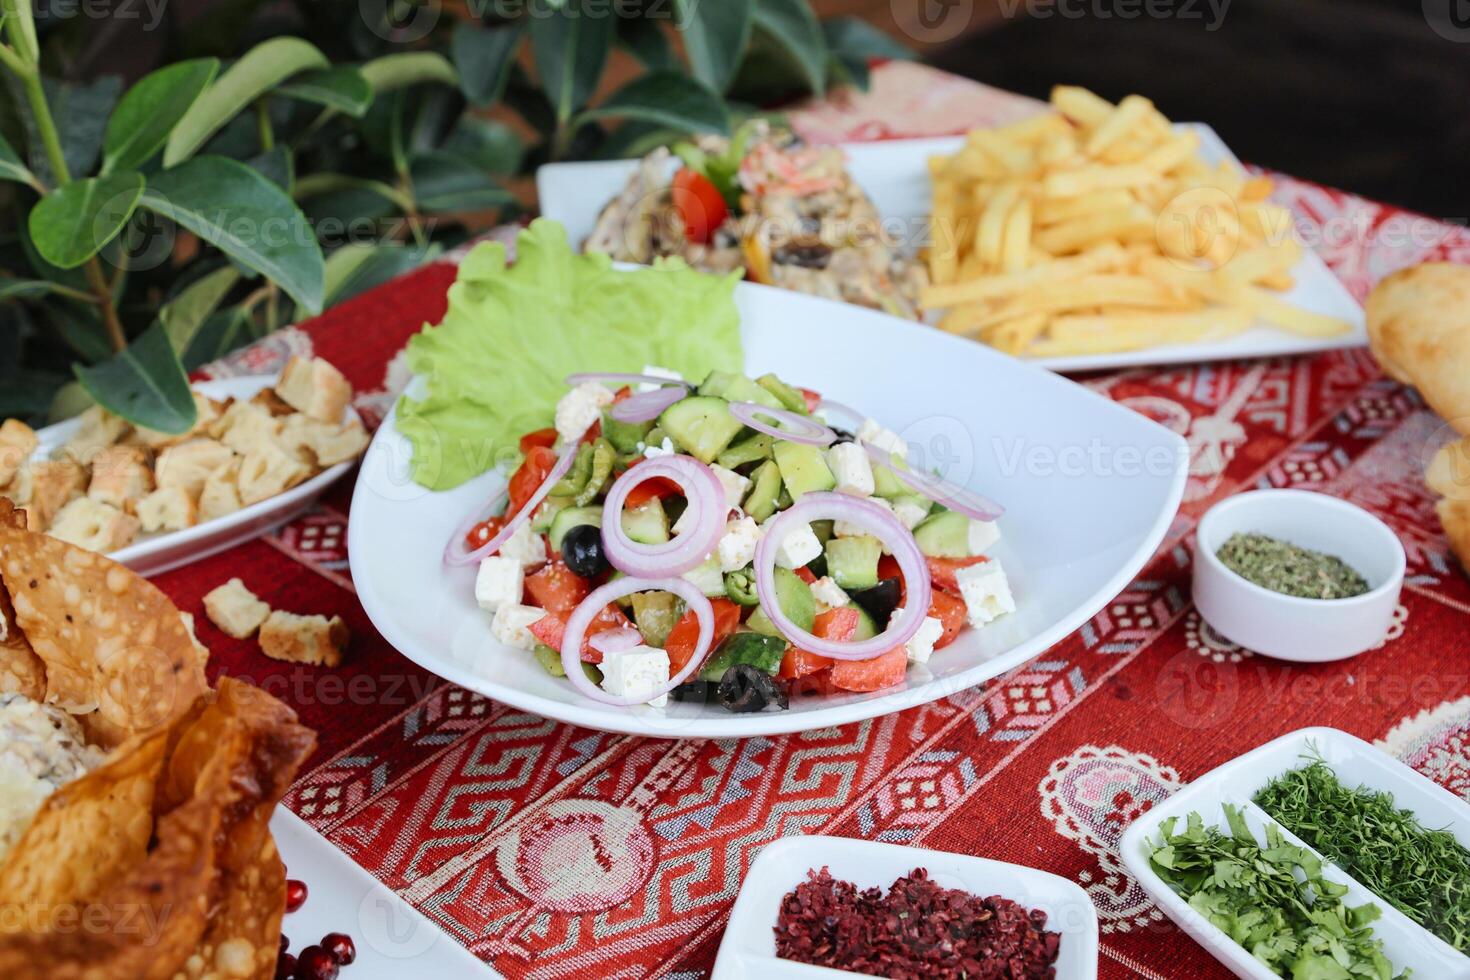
(1291, 570)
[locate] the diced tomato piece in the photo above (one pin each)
(837, 625)
(888, 568)
(812, 398)
(528, 479)
(557, 589)
(700, 204)
(594, 432)
(796, 663)
(551, 629)
(481, 533)
(545, 438)
(942, 570)
(684, 637)
(805, 574)
(884, 670)
(949, 609)
(655, 489)
(622, 394)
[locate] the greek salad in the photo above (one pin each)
(728, 542)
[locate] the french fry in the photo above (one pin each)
(1015, 242)
(1080, 105)
(995, 287)
(1128, 116)
(1077, 234)
(1056, 210)
(1015, 335)
(992, 225)
(1095, 178)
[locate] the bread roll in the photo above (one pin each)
(1419, 327)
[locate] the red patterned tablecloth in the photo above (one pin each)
(557, 851)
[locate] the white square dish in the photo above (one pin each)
(748, 951)
(1356, 762)
(896, 176)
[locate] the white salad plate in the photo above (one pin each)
(393, 939)
(1356, 763)
(748, 951)
(154, 553)
(1091, 489)
(896, 176)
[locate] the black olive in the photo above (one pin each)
(818, 566)
(581, 549)
(879, 600)
(842, 434)
(697, 691)
(746, 688)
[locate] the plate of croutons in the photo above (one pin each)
(261, 451)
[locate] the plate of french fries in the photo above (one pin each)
(1097, 235)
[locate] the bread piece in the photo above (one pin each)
(235, 609)
(298, 431)
(268, 470)
(311, 385)
(17, 442)
(243, 426)
(1454, 515)
(335, 444)
(189, 464)
(304, 639)
(99, 429)
(93, 525)
(54, 484)
(220, 495)
(273, 403)
(121, 475)
(167, 509)
(1449, 472)
(1419, 327)
(206, 412)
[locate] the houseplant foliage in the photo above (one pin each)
(274, 166)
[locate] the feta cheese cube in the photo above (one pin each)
(525, 547)
(982, 534)
(737, 545)
(885, 439)
(499, 580)
(735, 485)
(799, 547)
(920, 646)
(579, 408)
(707, 577)
(829, 594)
(666, 448)
(654, 370)
(986, 592)
(847, 529)
(910, 510)
(851, 468)
(636, 673)
(511, 624)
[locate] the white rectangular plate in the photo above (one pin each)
(896, 176)
(748, 951)
(1356, 763)
(393, 939)
(154, 553)
(1091, 488)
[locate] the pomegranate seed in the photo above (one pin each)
(295, 894)
(315, 963)
(285, 967)
(340, 945)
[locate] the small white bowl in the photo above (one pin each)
(1290, 627)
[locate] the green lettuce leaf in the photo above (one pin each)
(494, 367)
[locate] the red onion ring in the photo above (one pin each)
(454, 553)
(808, 430)
(828, 405)
(647, 405)
(572, 380)
(615, 640)
(936, 488)
(706, 496)
(582, 616)
(820, 505)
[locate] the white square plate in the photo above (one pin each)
(896, 176)
(748, 951)
(1356, 763)
(1091, 488)
(151, 554)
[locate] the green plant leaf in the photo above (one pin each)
(852, 42)
(571, 46)
(257, 72)
(11, 166)
(645, 39)
(68, 401)
(245, 215)
(80, 112)
(72, 223)
(489, 144)
(26, 288)
(667, 99)
(319, 184)
(443, 182)
(395, 71)
(220, 333)
(140, 124)
(145, 384)
(794, 28)
(341, 87)
(715, 37)
(183, 315)
(25, 23)
(483, 59)
(276, 164)
(356, 268)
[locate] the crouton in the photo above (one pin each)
(17, 442)
(304, 639)
(93, 525)
(220, 495)
(298, 430)
(167, 509)
(273, 403)
(244, 426)
(120, 476)
(235, 609)
(268, 470)
(206, 412)
(335, 444)
(99, 429)
(189, 464)
(54, 484)
(311, 385)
